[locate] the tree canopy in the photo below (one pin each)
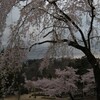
(65, 23)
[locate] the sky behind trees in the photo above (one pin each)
(38, 51)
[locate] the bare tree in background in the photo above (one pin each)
(75, 22)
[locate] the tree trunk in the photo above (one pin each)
(72, 98)
(19, 93)
(96, 69)
(19, 96)
(1, 98)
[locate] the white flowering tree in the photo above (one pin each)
(11, 61)
(65, 82)
(88, 81)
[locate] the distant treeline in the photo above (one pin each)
(31, 67)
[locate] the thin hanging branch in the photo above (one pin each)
(67, 18)
(70, 43)
(91, 23)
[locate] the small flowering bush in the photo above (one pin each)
(88, 82)
(65, 82)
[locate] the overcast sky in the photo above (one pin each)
(39, 51)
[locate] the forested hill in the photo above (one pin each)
(31, 67)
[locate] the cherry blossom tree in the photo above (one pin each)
(65, 82)
(5, 8)
(88, 82)
(11, 61)
(74, 22)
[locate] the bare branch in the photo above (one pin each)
(67, 18)
(56, 17)
(91, 23)
(72, 34)
(70, 43)
(93, 37)
(48, 33)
